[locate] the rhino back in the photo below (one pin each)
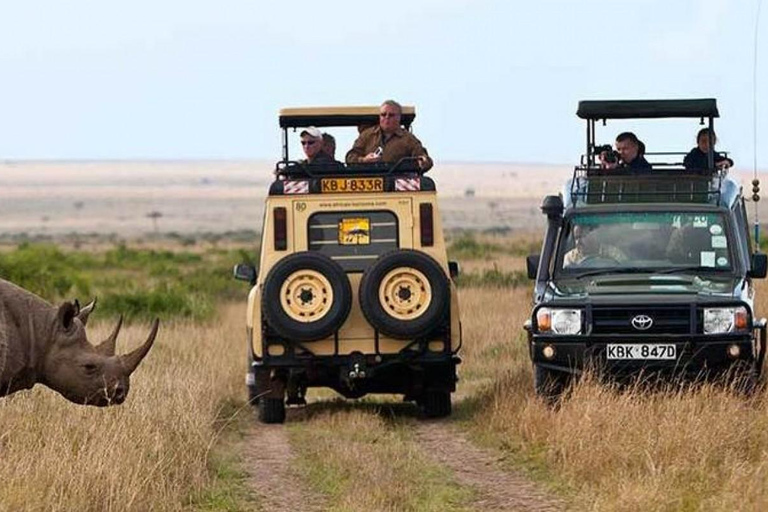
(21, 313)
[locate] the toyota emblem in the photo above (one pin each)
(642, 322)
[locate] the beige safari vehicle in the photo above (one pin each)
(354, 291)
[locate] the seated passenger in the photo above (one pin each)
(630, 151)
(329, 145)
(312, 144)
(586, 248)
(697, 158)
(388, 141)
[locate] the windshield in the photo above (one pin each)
(639, 241)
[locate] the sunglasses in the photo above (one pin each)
(387, 114)
(308, 142)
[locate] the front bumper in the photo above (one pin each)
(695, 355)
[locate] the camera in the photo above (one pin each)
(611, 156)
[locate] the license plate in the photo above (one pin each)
(645, 351)
(351, 185)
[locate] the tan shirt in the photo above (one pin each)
(401, 144)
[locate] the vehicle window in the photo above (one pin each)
(646, 240)
(354, 239)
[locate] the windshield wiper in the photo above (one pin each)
(615, 270)
(692, 268)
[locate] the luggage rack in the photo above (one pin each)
(592, 185)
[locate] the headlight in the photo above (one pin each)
(723, 320)
(558, 321)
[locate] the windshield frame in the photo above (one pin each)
(559, 273)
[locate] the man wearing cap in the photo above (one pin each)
(312, 144)
(388, 141)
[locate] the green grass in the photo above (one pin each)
(493, 278)
(141, 284)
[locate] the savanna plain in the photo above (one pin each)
(185, 438)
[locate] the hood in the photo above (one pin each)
(646, 284)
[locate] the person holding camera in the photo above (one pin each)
(388, 141)
(697, 158)
(628, 154)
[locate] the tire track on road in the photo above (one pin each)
(481, 470)
(269, 462)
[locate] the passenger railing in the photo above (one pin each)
(660, 185)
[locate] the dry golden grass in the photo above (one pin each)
(152, 452)
(704, 448)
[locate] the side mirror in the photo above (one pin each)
(453, 269)
(759, 265)
(532, 264)
(245, 272)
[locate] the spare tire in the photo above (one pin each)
(306, 297)
(405, 294)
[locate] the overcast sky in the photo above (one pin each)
(491, 80)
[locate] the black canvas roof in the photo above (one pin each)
(644, 109)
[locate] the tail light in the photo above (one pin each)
(279, 216)
(427, 225)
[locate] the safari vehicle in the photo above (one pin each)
(353, 291)
(646, 272)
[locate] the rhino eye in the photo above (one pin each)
(90, 368)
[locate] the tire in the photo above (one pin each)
(271, 410)
(306, 297)
(405, 294)
(436, 404)
(549, 384)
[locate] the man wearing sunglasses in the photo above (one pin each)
(312, 144)
(388, 141)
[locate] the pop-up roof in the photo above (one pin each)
(338, 116)
(647, 109)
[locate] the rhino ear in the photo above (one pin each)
(86, 311)
(66, 315)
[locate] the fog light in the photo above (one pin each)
(548, 351)
(734, 351)
(275, 350)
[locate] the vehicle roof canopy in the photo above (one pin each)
(338, 116)
(647, 109)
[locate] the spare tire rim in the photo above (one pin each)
(306, 296)
(405, 293)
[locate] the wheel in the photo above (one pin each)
(436, 404)
(306, 297)
(271, 410)
(405, 294)
(549, 384)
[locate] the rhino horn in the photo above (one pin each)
(131, 361)
(86, 312)
(107, 347)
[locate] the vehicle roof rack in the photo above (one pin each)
(647, 109)
(591, 186)
(339, 116)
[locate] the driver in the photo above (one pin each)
(586, 247)
(388, 141)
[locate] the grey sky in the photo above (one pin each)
(491, 80)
